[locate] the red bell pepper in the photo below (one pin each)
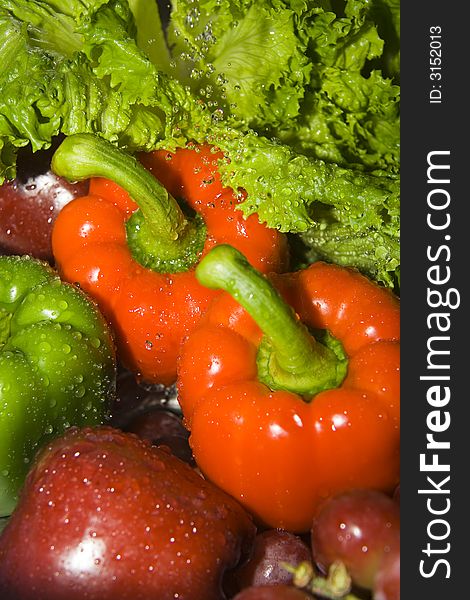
(136, 256)
(281, 418)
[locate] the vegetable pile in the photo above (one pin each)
(145, 257)
(57, 365)
(267, 403)
(199, 299)
(325, 164)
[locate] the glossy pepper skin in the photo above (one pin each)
(281, 453)
(151, 311)
(57, 365)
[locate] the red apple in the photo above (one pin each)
(104, 515)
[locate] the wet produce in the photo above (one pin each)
(30, 203)
(139, 264)
(360, 528)
(387, 578)
(280, 419)
(276, 554)
(272, 592)
(57, 365)
(105, 516)
(241, 439)
(163, 427)
(303, 98)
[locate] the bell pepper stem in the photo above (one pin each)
(82, 156)
(289, 357)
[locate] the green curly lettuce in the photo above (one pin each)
(318, 79)
(73, 67)
(301, 97)
(242, 55)
(342, 215)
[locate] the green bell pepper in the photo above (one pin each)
(57, 365)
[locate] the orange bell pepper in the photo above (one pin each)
(133, 248)
(283, 419)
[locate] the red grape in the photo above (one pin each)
(387, 581)
(357, 528)
(152, 412)
(163, 428)
(271, 548)
(396, 494)
(272, 592)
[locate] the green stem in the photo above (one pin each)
(159, 233)
(289, 357)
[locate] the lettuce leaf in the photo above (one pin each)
(73, 67)
(343, 215)
(351, 111)
(295, 97)
(316, 79)
(243, 56)
(150, 34)
(314, 88)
